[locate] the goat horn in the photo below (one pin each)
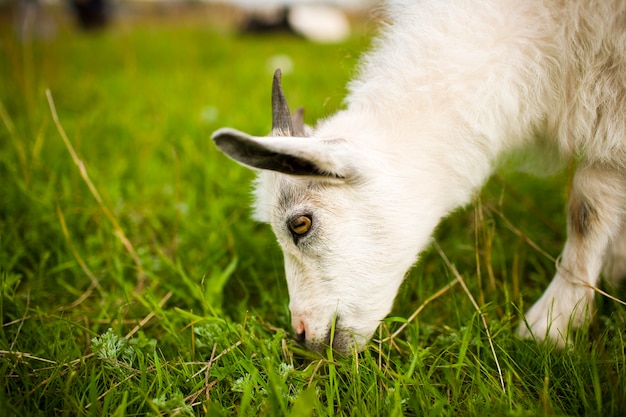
(281, 118)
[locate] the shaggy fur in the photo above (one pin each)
(448, 89)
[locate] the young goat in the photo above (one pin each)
(448, 89)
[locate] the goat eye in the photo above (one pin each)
(300, 225)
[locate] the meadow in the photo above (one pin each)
(135, 283)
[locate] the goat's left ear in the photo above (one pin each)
(289, 155)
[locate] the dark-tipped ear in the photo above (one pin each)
(288, 155)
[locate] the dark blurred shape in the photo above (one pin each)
(92, 14)
(267, 20)
(323, 23)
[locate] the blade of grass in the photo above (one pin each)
(422, 306)
(25, 355)
(83, 265)
(478, 310)
(521, 234)
(117, 229)
(149, 316)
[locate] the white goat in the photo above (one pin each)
(449, 87)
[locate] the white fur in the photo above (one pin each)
(449, 88)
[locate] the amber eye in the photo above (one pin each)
(300, 225)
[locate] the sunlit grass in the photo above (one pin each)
(161, 296)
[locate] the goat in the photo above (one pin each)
(448, 89)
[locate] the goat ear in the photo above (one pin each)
(286, 154)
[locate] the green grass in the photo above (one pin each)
(164, 298)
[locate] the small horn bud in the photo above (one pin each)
(297, 120)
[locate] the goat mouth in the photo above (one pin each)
(344, 342)
(320, 344)
(341, 340)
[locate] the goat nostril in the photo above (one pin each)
(300, 330)
(301, 336)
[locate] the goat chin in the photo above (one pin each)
(447, 91)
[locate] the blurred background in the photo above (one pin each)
(327, 21)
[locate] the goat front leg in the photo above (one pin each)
(595, 217)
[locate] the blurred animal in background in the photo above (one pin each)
(92, 14)
(315, 22)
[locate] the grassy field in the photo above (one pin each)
(134, 283)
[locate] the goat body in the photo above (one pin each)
(447, 90)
